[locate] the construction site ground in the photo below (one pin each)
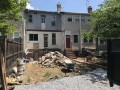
(35, 73)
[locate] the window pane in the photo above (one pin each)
(30, 37)
(91, 40)
(16, 35)
(35, 37)
(45, 41)
(75, 38)
(85, 40)
(70, 19)
(82, 18)
(53, 39)
(77, 19)
(101, 41)
(30, 18)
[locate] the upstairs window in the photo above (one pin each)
(16, 37)
(33, 37)
(70, 19)
(30, 18)
(53, 39)
(82, 18)
(75, 38)
(77, 19)
(53, 23)
(43, 18)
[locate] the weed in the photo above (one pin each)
(47, 74)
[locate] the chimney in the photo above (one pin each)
(59, 7)
(89, 9)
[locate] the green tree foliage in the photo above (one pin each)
(10, 10)
(105, 21)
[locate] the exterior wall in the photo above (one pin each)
(62, 24)
(36, 23)
(84, 28)
(19, 29)
(70, 28)
(41, 40)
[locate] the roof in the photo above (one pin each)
(51, 12)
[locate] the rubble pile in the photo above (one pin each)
(53, 58)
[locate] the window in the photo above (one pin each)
(77, 19)
(70, 19)
(45, 40)
(16, 37)
(91, 40)
(43, 18)
(75, 38)
(82, 18)
(85, 40)
(88, 18)
(53, 39)
(30, 18)
(101, 41)
(33, 37)
(53, 21)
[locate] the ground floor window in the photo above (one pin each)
(75, 38)
(53, 39)
(33, 37)
(45, 40)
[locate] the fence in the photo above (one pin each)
(37, 53)
(10, 51)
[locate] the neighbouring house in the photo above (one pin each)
(57, 30)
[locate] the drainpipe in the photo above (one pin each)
(24, 43)
(80, 38)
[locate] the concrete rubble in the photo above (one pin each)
(54, 58)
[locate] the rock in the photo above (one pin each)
(48, 55)
(31, 59)
(35, 62)
(54, 57)
(52, 53)
(68, 61)
(15, 70)
(43, 58)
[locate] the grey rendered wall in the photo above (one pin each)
(36, 24)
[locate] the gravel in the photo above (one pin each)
(94, 80)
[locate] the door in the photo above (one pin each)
(45, 40)
(68, 45)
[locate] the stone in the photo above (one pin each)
(15, 70)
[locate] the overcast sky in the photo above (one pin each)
(67, 5)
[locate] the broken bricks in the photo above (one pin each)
(53, 58)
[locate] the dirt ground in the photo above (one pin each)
(35, 73)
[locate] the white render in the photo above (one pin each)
(41, 38)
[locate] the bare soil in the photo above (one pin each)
(35, 73)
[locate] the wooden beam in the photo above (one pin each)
(3, 72)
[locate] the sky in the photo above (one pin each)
(67, 5)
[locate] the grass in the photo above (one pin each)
(47, 74)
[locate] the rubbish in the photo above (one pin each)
(15, 70)
(54, 58)
(26, 60)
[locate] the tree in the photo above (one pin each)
(10, 10)
(105, 21)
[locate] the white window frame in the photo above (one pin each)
(77, 18)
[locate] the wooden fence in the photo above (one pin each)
(11, 51)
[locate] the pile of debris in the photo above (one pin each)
(54, 58)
